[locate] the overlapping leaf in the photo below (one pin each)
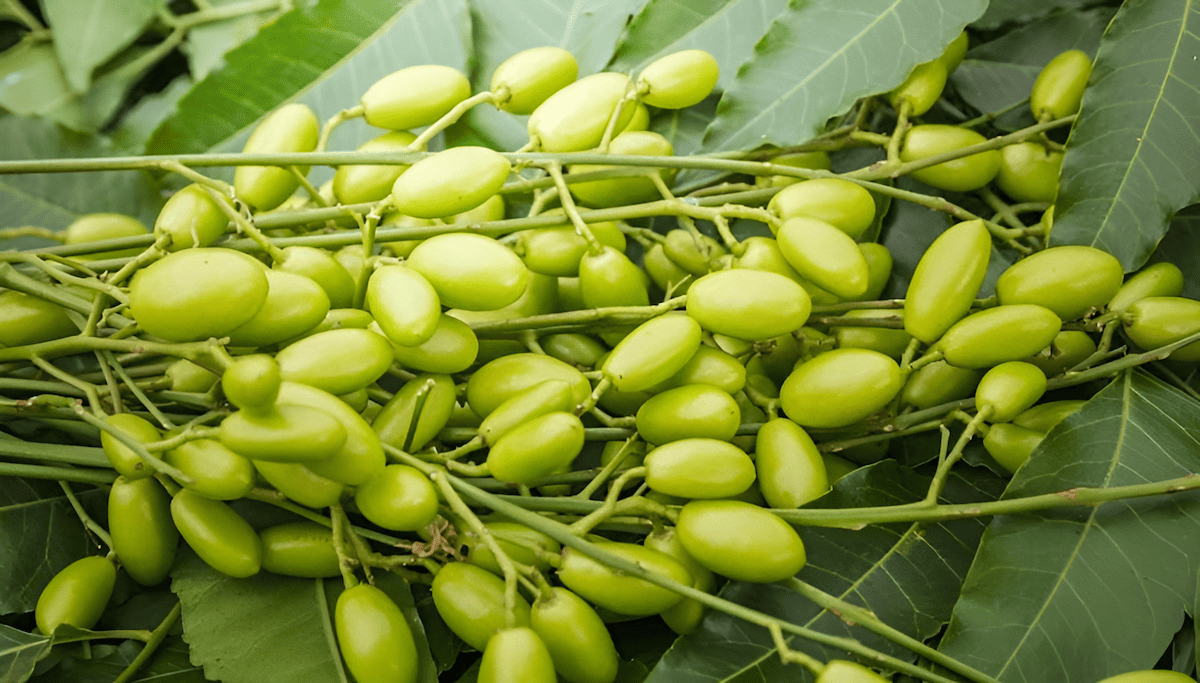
(89, 32)
(908, 574)
(1134, 154)
(820, 56)
(1180, 246)
(1000, 12)
(169, 664)
(1077, 594)
(208, 42)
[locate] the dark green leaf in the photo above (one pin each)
(1000, 12)
(1133, 158)
(1183, 649)
(819, 57)
(39, 535)
(444, 646)
(907, 574)
(1181, 246)
(168, 664)
(1075, 595)
(19, 651)
(208, 42)
(31, 80)
(89, 32)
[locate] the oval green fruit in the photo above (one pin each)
(557, 250)
(300, 484)
(550, 396)
(635, 189)
(320, 267)
(294, 305)
(404, 304)
(1011, 445)
(394, 420)
(748, 304)
(301, 549)
(288, 433)
(360, 456)
(620, 592)
(922, 88)
(699, 468)
(398, 498)
(1059, 87)
(415, 96)
(790, 469)
(1159, 279)
(289, 129)
(889, 342)
(938, 383)
(143, 535)
(696, 253)
(1046, 416)
(218, 472)
(841, 671)
(522, 544)
(336, 361)
(516, 655)
(452, 348)
(374, 637)
(579, 350)
(360, 184)
(470, 271)
(958, 175)
(578, 641)
(741, 541)
(996, 335)
(218, 535)
(574, 118)
(845, 205)
(536, 448)
(1009, 389)
(471, 602)
(191, 218)
(824, 255)
(652, 352)
(77, 595)
(840, 387)
(708, 366)
(609, 278)
(1069, 280)
(689, 411)
(680, 79)
(500, 379)
(528, 78)
(26, 319)
(123, 459)
(94, 227)
(195, 294)
(1068, 349)
(449, 182)
(1160, 320)
(946, 280)
(1029, 172)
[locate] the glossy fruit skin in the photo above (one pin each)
(739, 540)
(879, 269)
(526, 79)
(398, 498)
(824, 255)
(708, 366)
(470, 271)
(762, 253)
(574, 118)
(300, 484)
(219, 473)
(405, 306)
(393, 421)
(699, 468)
(1045, 416)
(1068, 349)
(415, 96)
(844, 205)
(840, 387)
(840, 671)
(1148, 676)
(684, 616)
(1029, 172)
(536, 448)
(541, 296)
(996, 335)
(302, 549)
(574, 348)
(1160, 320)
(557, 250)
(652, 352)
(195, 294)
(373, 636)
(94, 227)
(678, 80)
(188, 377)
(319, 266)
(696, 254)
(790, 469)
(1010, 445)
(471, 602)
(449, 182)
(360, 457)
(889, 342)
(218, 535)
(609, 278)
(689, 411)
(294, 305)
(955, 51)
(837, 467)
(938, 383)
(922, 88)
(500, 379)
(1069, 280)
(960, 175)
(336, 361)
(290, 128)
(516, 655)
(26, 319)
(358, 184)
(1059, 87)
(621, 191)
(252, 382)
(946, 280)
(748, 304)
(522, 544)
(543, 398)
(124, 460)
(1159, 279)
(139, 521)
(578, 641)
(452, 349)
(192, 218)
(1009, 389)
(286, 434)
(77, 595)
(617, 591)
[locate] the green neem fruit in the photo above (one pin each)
(1029, 172)
(500, 379)
(1160, 320)
(94, 227)
(471, 602)
(748, 304)
(879, 269)
(652, 352)
(139, 521)
(303, 549)
(77, 595)
(837, 467)
(689, 411)
(620, 592)
(577, 349)
(997, 335)
(398, 498)
(679, 79)
(123, 459)
(699, 468)
(359, 184)
(404, 304)
(938, 383)
(840, 387)
(219, 473)
(845, 205)
(666, 273)
(1059, 87)
(1009, 389)
(946, 280)
(887, 341)
(1148, 676)
(290, 128)
(192, 218)
(522, 544)
(825, 255)
(709, 366)
(739, 540)
(470, 271)
(790, 469)
(490, 210)
(26, 319)
(452, 348)
(415, 96)
(1159, 279)
(557, 251)
(288, 433)
(955, 51)
(360, 457)
(762, 253)
(958, 175)
(516, 655)
(634, 454)
(252, 382)
(337, 361)
(1069, 280)
(374, 637)
(696, 254)
(1046, 416)
(622, 191)
(640, 119)
(528, 78)
(321, 267)
(394, 419)
(609, 278)
(550, 396)
(684, 616)
(574, 118)
(188, 377)
(449, 182)
(578, 641)
(218, 535)
(1010, 445)
(814, 160)
(294, 305)
(922, 88)
(839, 671)
(300, 484)
(195, 294)
(536, 448)
(1068, 349)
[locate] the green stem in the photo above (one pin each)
(138, 448)
(156, 639)
(78, 476)
(345, 562)
(574, 319)
(450, 118)
(335, 121)
(137, 391)
(609, 507)
(89, 523)
(607, 471)
(897, 138)
(223, 12)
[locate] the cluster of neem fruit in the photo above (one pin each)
(308, 343)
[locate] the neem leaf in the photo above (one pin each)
(19, 652)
